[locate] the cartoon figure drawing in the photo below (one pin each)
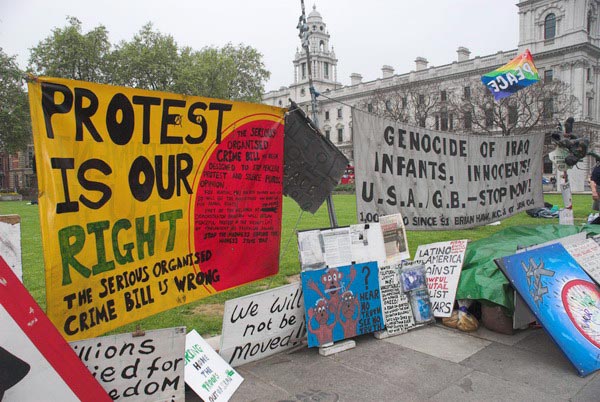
(324, 332)
(349, 313)
(332, 281)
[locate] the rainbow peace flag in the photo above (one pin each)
(515, 75)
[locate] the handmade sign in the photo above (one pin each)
(515, 75)
(341, 246)
(262, 324)
(150, 200)
(313, 165)
(394, 238)
(341, 302)
(563, 298)
(36, 364)
(587, 255)
(397, 313)
(443, 262)
(131, 367)
(206, 372)
(442, 180)
(10, 243)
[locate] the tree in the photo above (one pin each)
(230, 72)
(15, 126)
(150, 61)
(69, 53)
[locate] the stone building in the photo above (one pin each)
(562, 35)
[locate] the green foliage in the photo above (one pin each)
(70, 53)
(203, 315)
(15, 124)
(151, 60)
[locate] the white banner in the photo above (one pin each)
(440, 180)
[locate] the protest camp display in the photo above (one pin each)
(394, 238)
(587, 255)
(515, 75)
(262, 324)
(10, 243)
(443, 262)
(565, 301)
(341, 246)
(147, 366)
(341, 302)
(206, 372)
(442, 180)
(36, 362)
(397, 313)
(150, 200)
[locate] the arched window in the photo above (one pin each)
(550, 26)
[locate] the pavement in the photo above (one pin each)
(429, 363)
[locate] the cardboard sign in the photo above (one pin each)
(341, 246)
(36, 362)
(443, 180)
(443, 262)
(397, 313)
(10, 243)
(564, 300)
(150, 200)
(394, 238)
(206, 372)
(341, 302)
(137, 368)
(515, 75)
(262, 324)
(587, 255)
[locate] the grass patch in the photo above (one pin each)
(206, 315)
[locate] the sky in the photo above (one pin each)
(365, 34)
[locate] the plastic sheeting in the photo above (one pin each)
(481, 279)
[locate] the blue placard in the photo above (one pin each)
(563, 298)
(341, 302)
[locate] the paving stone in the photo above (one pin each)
(509, 340)
(478, 386)
(443, 343)
(547, 372)
(591, 391)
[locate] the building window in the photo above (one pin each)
(467, 120)
(513, 114)
(443, 96)
(548, 165)
(550, 26)
(339, 113)
(388, 105)
(404, 102)
(467, 93)
(340, 135)
(326, 69)
(548, 108)
(328, 134)
(303, 68)
(548, 75)
(422, 122)
(370, 107)
(489, 118)
(421, 99)
(302, 92)
(590, 107)
(589, 22)
(327, 115)
(589, 75)
(30, 157)
(437, 122)
(451, 121)
(280, 102)
(444, 121)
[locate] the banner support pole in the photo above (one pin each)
(304, 34)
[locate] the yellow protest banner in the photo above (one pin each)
(150, 200)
